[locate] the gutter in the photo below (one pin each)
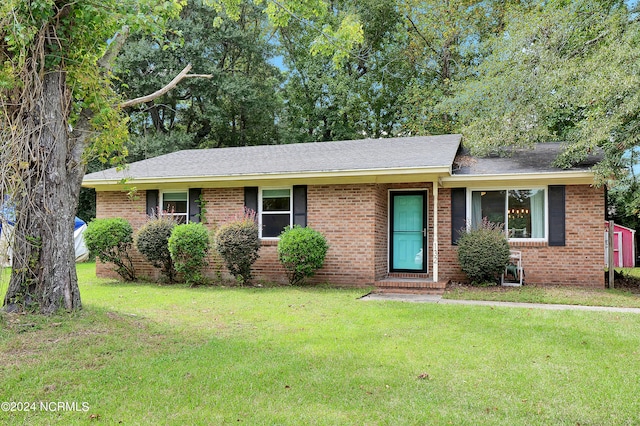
(565, 177)
(408, 174)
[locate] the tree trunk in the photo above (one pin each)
(44, 277)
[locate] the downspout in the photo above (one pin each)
(435, 230)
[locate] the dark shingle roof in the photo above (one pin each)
(364, 154)
(538, 159)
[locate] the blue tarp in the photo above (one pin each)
(8, 213)
(79, 222)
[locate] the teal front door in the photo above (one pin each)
(408, 248)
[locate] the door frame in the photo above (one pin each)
(425, 223)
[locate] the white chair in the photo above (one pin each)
(514, 268)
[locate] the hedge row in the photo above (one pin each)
(184, 248)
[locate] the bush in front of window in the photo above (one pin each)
(152, 241)
(238, 245)
(301, 251)
(483, 252)
(110, 241)
(189, 246)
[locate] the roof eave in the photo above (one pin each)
(582, 177)
(391, 175)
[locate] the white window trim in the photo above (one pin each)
(290, 212)
(507, 189)
(161, 203)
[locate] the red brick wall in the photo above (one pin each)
(119, 204)
(579, 262)
(354, 219)
(448, 266)
(345, 214)
(382, 231)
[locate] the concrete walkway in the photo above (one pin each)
(429, 298)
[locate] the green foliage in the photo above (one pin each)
(189, 245)
(301, 251)
(83, 33)
(110, 241)
(236, 107)
(152, 242)
(441, 46)
(357, 99)
(336, 43)
(238, 244)
(202, 203)
(558, 72)
(483, 252)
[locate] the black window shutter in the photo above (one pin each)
(556, 215)
(153, 198)
(251, 198)
(300, 205)
(458, 213)
(194, 204)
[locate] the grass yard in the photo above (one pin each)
(148, 354)
(626, 294)
(538, 294)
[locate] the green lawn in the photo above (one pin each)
(626, 295)
(149, 354)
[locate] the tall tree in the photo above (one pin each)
(444, 40)
(56, 102)
(237, 107)
(561, 71)
(355, 96)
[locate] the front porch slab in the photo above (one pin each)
(421, 284)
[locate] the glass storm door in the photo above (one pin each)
(408, 232)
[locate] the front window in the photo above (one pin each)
(275, 211)
(175, 205)
(522, 211)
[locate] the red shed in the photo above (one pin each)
(624, 246)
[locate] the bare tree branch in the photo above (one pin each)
(426, 42)
(114, 49)
(173, 83)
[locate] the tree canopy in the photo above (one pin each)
(235, 107)
(561, 71)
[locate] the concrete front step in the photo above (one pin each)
(393, 290)
(409, 275)
(420, 285)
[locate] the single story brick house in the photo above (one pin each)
(391, 209)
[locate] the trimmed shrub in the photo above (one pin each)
(110, 241)
(301, 251)
(189, 246)
(238, 245)
(483, 253)
(152, 241)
